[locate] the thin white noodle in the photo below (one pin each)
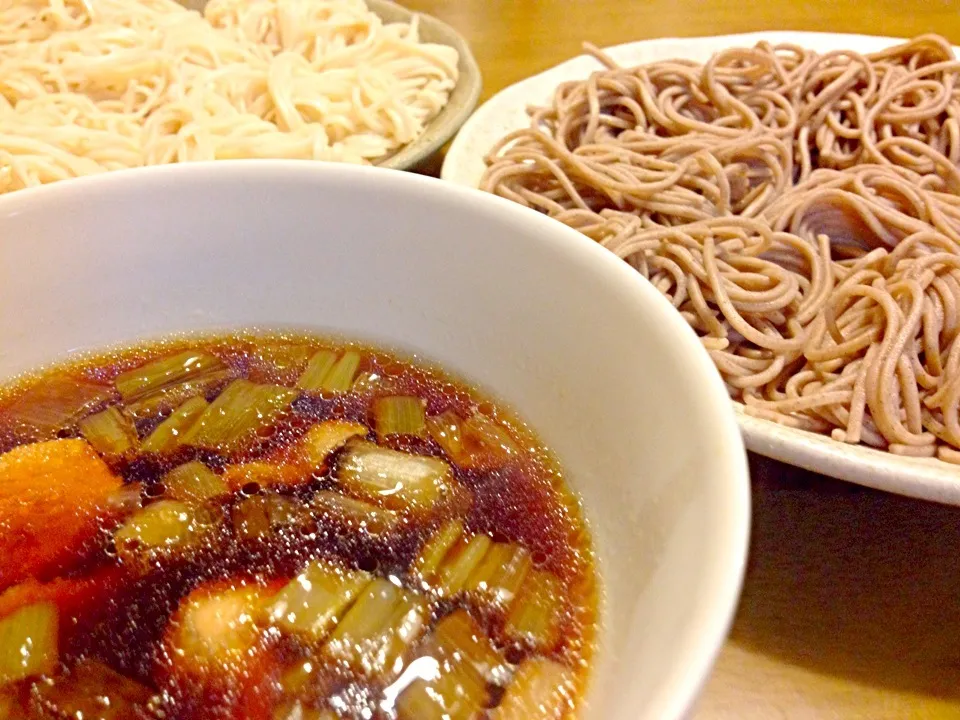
(88, 86)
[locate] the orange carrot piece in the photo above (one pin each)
(52, 495)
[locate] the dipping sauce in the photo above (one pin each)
(287, 528)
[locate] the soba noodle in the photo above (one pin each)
(88, 86)
(801, 211)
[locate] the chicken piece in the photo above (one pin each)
(214, 637)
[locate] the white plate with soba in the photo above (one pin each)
(817, 192)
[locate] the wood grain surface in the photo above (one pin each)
(851, 607)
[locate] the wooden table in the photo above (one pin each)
(852, 601)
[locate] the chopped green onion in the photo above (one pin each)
(238, 415)
(110, 432)
(317, 369)
(160, 530)
(312, 603)
(460, 563)
(165, 372)
(354, 514)
(500, 574)
(377, 630)
(534, 617)
(340, 377)
(167, 435)
(56, 403)
(193, 482)
(321, 440)
(395, 480)
(28, 642)
(541, 689)
(435, 550)
(401, 415)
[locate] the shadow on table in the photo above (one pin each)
(853, 582)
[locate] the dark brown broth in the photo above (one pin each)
(525, 502)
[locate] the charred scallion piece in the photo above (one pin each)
(353, 515)
(315, 447)
(110, 432)
(238, 415)
(399, 415)
(160, 374)
(168, 435)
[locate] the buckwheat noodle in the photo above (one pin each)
(88, 86)
(800, 210)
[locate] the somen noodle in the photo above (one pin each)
(800, 210)
(88, 86)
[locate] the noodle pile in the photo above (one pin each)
(801, 211)
(88, 86)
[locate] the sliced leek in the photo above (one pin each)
(459, 638)
(238, 415)
(110, 432)
(28, 642)
(312, 603)
(399, 415)
(395, 480)
(159, 374)
(326, 372)
(542, 689)
(193, 482)
(498, 577)
(340, 377)
(534, 618)
(376, 631)
(55, 403)
(460, 563)
(162, 529)
(435, 550)
(318, 367)
(168, 435)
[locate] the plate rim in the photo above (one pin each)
(921, 478)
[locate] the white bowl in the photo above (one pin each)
(595, 359)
